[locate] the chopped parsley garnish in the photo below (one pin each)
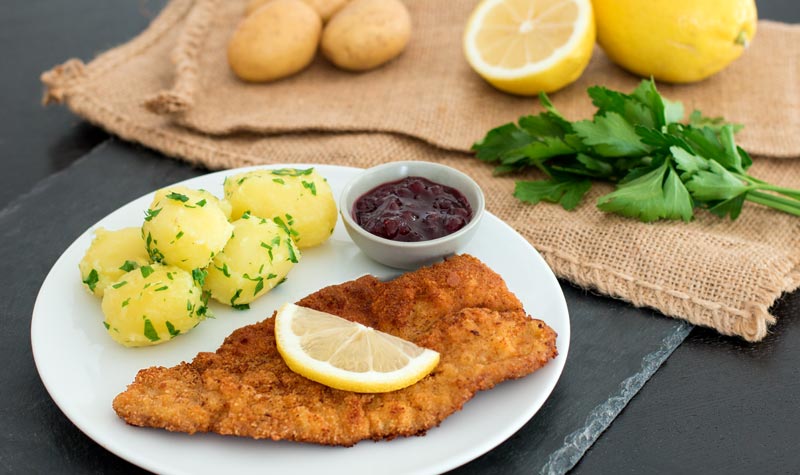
(311, 186)
(178, 197)
(203, 310)
(92, 279)
(199, 276)
(292, 255)
(161, 289)
(146, 271)
(126, 301)
(171, 329)
(268, 248)
(224, 270)
(282, 281)
(241, 180)
(271, 276)
(246, 214)
(189, 305)
(152, 251)
(128, 266)
(282, 224)
(241, 306)
(119, 284)
(292, 172)
(105, 324)
(150, 331)
(259, 282)
(201, 203)
(179, 235)
(279, 181)
(151, 213)
(169, 276)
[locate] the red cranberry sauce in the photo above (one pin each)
(412, 209)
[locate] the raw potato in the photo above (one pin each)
(299, 200)
(366, 34)
(256, 259)
(111, 254)
(185, 228)
(324, 8)
(277, 40)
(152, 305)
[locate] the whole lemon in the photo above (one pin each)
(677, 41)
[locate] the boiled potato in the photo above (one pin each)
(256, 259)
(152, 305)
(275, 41)
(184, 228)
(366, 34)
(223, 204)
(298, 200)
(324, 8)
(111, 254)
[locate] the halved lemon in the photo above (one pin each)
(530, 46)
(347, 355)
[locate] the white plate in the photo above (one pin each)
(83, 369)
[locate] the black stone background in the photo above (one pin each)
(717, 404)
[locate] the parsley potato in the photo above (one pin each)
(366, 34)
(277, 40)
(300, 201)
(185, 228)
(256, 259)
(152, 304)
(111, 254)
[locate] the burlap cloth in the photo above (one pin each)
(170, 89)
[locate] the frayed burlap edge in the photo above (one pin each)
(190, 44)
(65, 85)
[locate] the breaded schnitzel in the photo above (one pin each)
(459, 308)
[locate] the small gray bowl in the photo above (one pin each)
(410, 255)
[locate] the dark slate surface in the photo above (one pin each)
(717, 405)
(614, 347)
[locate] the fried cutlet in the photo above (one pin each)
(459, 308)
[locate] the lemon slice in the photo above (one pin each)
(530, 46)
(348, 355)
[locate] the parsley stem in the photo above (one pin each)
(762, 185)
(784, 191)
(775, 202)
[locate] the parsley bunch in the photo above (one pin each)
(663, 168)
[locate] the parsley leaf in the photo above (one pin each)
(178, 197)
(92, 279)
(567, 193)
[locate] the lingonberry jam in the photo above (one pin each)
(412, 209)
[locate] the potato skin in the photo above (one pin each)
(324, 8)
(257, 258)
(366, 34)
(104, 261)
(185, 234)
(300, 200)
(277, 40)
(151, 305)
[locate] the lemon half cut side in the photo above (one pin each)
(529, 46)
(348, 355)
